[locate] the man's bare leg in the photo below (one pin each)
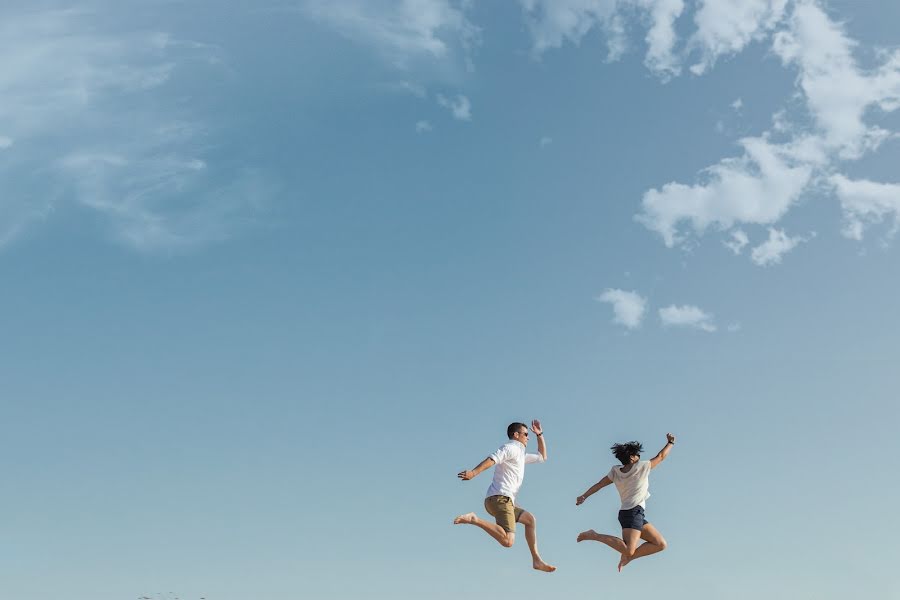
(504, 537)
(653, 542)
(610, 540)
(527, 519)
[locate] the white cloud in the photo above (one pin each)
(661, 37)
(865, 203)
(776, 167)
(686, 316)
(546, 141)
(401, 31)
(837, 92)
(460, 106)
(552, 22)
(737, 242)
(628, 307)
(733, 327)
(87, 111)
(423, 126)
(5, 142)
(759, 188)
(723, 27)
(773, 249)
(726, 26)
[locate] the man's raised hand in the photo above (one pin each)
(670, 438)
(466, 475)
(536, 427)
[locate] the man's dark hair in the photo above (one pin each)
(625, 451)
(514, 427)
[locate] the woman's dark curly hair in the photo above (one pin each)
(625, 451)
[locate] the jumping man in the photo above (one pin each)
(632, 482)
(510, 460)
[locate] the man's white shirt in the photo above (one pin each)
(509, 469)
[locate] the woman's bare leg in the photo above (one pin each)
(610, 540)
(653, 542)
(631, 537)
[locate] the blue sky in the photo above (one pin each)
(275, 273)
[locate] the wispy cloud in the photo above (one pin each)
(866, 203)
(725, 27)
(402, 32)
(661, 37)
(737, 242)
(687, 316)
(553, 22)
(773, 249)
(88, 112)
(459, 107)
(423, 127)
(838, 93)
(407, 87)
(628, 307)
(722, 27)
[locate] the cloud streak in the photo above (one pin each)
(401, 32)
(87, 109)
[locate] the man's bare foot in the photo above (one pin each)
(467, 518)
(624, 561)
(590, 534)
(542, 566)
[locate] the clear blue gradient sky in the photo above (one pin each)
(274, 273)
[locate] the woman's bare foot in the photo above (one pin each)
(590, 534)
(542, 566)
(467, 518)
(624, 561)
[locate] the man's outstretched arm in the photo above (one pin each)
(670, 441)
(539, 433)
(485, 464)
(593, 490)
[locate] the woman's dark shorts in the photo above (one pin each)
(633, 518)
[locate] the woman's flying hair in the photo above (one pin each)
(626, 450)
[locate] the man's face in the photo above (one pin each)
(522, 436)
(634, 458)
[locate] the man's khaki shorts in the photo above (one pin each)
(504, 511)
